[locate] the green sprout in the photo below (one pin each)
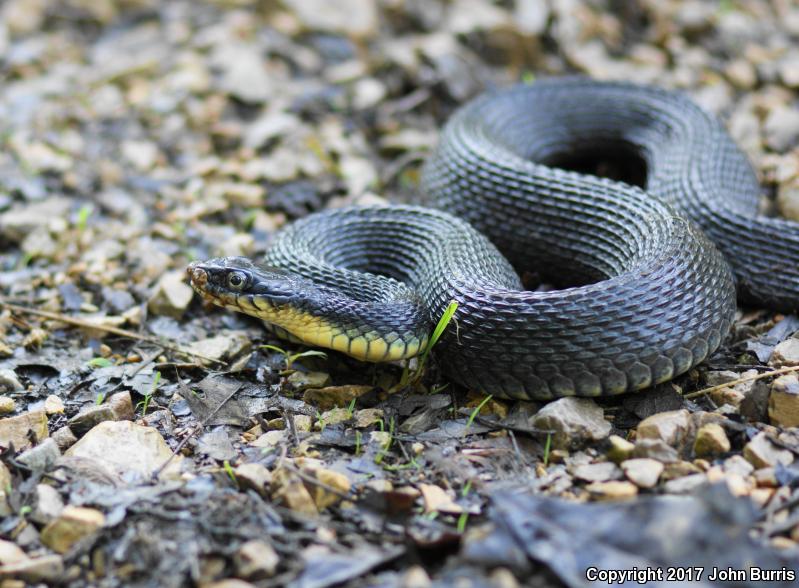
(476, 411)
(99, 362)
(441, 326)
(145, 403)
(547, 447)
(290, 358)
(83, 216)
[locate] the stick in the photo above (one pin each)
(77, 322)
(785, 370)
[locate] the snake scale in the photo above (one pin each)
(647, 274)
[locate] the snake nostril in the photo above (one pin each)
(197, 276)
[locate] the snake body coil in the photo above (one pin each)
(647, 294)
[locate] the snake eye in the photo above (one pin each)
(236, 280)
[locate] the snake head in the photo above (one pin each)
(241, 284)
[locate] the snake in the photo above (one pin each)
(646, 267)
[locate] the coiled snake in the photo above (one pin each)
(645, 293)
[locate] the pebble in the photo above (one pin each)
(64, 437)
(762, 453)
(357, 18)
(7, 405)
(53, 405)
(20, 221)
(643, 472)
(436, 499)
(256, 560)
(90, 416)
(788, 199)
(11, 553)
(321, 495)
(221, 347)
(671, 427)
(20, 429)
(254, 476)
(597, 472)
(614, 490)
(711, 440)
(685, 484)
(9, 381)
(655, 449)
(73, 524)
(782, 128)
(785, 354)
(44, 569)
(367, 417)
(172, 295)
(334, 396)
(126, 447)
(783, 405)
(289, 490)
(49, 504)
(573, 421)
(620, 449)
(42, 457)
(301, 380)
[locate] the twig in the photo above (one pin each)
(785, 370)
(200, 426)
(77, 322)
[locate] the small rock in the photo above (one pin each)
(141, 154)
(171, 296)
(221, 347)
(9, 381)
(436, 499)
(288, 489)
(573, 420)
(783, 405)
(11, 553)
(788, 199)
(48, 504)
(670, 427)
(358, 18)
(615, 490)
(45, 569)
(367, 417)
(42, 457)
(74, 524)
(789, 69)
(737, 464)
(679, 469)
(18, 222)
(5, 479)
(620, 449)
(597, 472)
(531, 16)
(7, 405)
(256, 560)
(333, 416)
(762, 453)
(64, 438)
(643, 472)
(328, 479)
(334, 396)
(755, 404)
(245, 74)
(416, 577)
(685, 484)
(20, 429)
(255, 476)
(123, 447)
(271, 439)
(782, 129)
(53, 405)
(90, 416)
(786, 353)
(711, 440)
(742, 74)
(302, 380)
(655, 449)
(122, 405)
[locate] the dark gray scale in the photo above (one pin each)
(646, 294)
